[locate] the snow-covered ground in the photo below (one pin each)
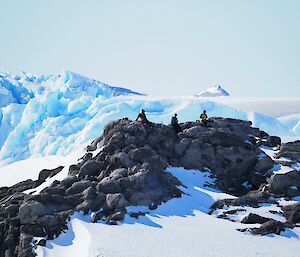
(276, 107)
(181, 227)
(195, 235)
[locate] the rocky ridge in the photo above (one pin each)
(130, 170)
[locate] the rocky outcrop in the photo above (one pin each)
(292, 213)
(286, 184)
(253, 218)
(290, 150)
(130, 170)
(272, 141)
(269, 227)
(252, 199)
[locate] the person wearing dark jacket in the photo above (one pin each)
(203, 118)
(175, 124)
(143, 118)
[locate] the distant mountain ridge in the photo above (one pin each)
(213, 92)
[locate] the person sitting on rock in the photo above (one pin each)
(175, 124)
(203, 118)
(143, 118)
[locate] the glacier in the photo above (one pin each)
(55, 115)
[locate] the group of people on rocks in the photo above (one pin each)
(203, 120)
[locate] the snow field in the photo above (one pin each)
(180, 227)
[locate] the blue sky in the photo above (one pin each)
(161, 47)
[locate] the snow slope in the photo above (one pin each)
(213, 92)
(181, 227)
(275, 107)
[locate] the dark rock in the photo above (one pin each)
(142, 154)
(124, 183)
(94, 205)
(252, 140)
(69, 181)
(292, 213)
(73, 200)
(25, 246)
(22, 186)
(97, 216)
(45, 173)
(116, 201)
(91, 168)
(290, 150)
(136, 215)
(30, 211)
(282, 182)
(118, 173)
(269, 227)
(42, 242)
(121, 160)
(252, 199)
(263, 134)
(12, 210)
(152, 206)
(56, 190)
(78, 187)
(118, 215)
(230, 212)
(254, 218)
(89, 193)
(274, 212)
(109, 186)
(33, 229)
(264, 164)
(74, 169)
(152, 187)
(272, 141)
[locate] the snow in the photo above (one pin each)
(31, 167)
(27, 169)
(292, 122)
(275, 107)
(180, 227)
(213, 92)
